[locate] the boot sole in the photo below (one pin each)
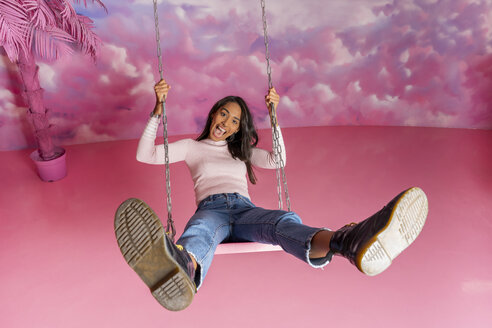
(141, 238)
(404, 225)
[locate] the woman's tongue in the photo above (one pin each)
(218, 132)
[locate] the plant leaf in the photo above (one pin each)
(13, 28)
(81, 29)
(67, 10)
(40, 13)
(52, 43)
(37, 25)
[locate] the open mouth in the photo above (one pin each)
(219, 132)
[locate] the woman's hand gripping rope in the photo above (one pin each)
(161, 89)
(272, 98)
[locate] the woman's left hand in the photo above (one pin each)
(272, 97)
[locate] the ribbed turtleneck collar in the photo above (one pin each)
(214, 143)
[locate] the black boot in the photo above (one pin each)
(372, 244)
(167, 269)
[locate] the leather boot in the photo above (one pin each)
(372, 244)
(166, 268)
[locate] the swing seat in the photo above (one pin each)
(245, 247)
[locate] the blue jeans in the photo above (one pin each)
(233, 218)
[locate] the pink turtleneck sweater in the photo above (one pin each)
(212, 167)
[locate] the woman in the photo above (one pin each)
(219, 161)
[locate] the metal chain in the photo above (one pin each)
(265, 38)
(277, 168)
(270, 85)
(277, 148)
(170, 228)
(277, 151)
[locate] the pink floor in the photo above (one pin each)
(61, 266)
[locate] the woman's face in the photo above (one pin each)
(225, 122)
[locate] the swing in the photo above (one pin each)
(227, 248)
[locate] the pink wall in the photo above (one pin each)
(61, 266)
(380, 62)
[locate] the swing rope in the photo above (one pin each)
(170, 228)
(277, 149)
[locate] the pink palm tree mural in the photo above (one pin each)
(48, 29)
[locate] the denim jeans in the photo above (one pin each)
(223, 218)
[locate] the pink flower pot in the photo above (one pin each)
(52, 170)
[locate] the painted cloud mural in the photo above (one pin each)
(338, 62)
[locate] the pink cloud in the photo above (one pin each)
(410, 63)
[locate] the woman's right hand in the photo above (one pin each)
(272, 98)
(161, 89)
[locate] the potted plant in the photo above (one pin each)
(48, 29)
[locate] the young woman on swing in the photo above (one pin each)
(219, 161)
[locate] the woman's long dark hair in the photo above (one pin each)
(241, 143)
